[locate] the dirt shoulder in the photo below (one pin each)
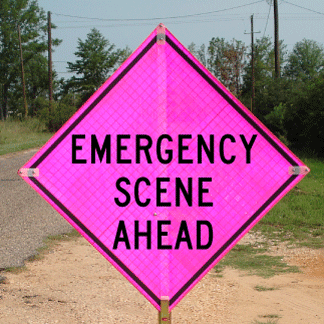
(73, 283)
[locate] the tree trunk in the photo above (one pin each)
(1, 96)
(33, 106)
(4, 102)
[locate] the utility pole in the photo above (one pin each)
(50, 95)
(22, 72)
(252, 62)
(276, 32)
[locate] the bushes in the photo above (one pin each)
(276, 119)
(294, 112)
(61, 111)
(304, 120)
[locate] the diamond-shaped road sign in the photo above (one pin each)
(163, 170)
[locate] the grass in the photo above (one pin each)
(15, 270)
(270, 316)
(263, 288)
(271, 319)
(254, 261)
(299, 217)
(50, 242)
(18, 135)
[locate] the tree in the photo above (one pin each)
(269, 92)
(199, 53)
(97, 59)
(33, 24)
(124, 54)
(216, 57)
(264, 61)
(306, 60)
(233, 66)
(36, 72)
(305, 118)
(226, 61)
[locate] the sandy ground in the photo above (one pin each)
(73, 283)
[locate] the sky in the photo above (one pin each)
(128, 22)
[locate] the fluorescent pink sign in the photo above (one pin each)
(163, 170)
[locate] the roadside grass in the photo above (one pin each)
(263, 288)
(270, 316)
(16, 135)
(298, 218)
(254, 261)
(271, 319)
(52, 241)
(14, 270)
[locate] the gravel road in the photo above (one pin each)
(25, 217)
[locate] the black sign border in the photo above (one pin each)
(211, 82)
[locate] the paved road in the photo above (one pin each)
(25, 218)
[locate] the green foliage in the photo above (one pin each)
(305, 61)
(275, 120)
(269, 92)
(97, 59)
(305, 118)
(264, 59)
(123, 55)
(17, 135)
(226, 60)
(61, 111)
(199, 53)
(33, 24)
(290, 106)
(299, 216)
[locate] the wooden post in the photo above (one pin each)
(164, 314)
(252, 63)
(22, 72)
(50, 81)
(276, 32)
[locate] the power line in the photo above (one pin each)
(188, 22)
(267, 20)
(229, 16)
(159, 18)
(206, 20)
(146, 24)
(318, 12)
